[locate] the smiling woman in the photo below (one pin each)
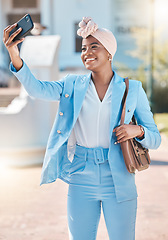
(81, 149)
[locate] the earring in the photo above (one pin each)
(110, 58)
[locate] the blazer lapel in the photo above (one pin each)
(118, 88)
(80, 88)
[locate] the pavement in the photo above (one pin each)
(29, 211)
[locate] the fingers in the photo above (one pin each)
(119, 129)
(10, 27)
(15, 43)
(7, 30)
(126, 131)
(121, 133)
(13, 35)
(8, 39)
(122, 137)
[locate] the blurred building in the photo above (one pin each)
(123, 17)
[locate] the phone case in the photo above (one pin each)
(26, 24)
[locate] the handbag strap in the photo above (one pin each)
(124, 101)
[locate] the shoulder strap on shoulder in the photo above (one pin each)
(124, 101)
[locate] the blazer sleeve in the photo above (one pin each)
(45, 90)
(144, 117)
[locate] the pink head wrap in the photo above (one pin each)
(104, 36)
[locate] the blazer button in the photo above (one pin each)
(66, 95)
(61, 114)
(129, 110)
(58, 131)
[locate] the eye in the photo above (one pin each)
(83, 49)
(94, 46)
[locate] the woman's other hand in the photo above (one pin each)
(127, 131)
(12, 46)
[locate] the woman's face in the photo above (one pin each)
(94, 56)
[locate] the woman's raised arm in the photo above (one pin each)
(45, 90)
(12, 46)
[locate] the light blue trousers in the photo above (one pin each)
(91, 187)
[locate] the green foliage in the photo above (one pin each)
(160, 66)
(160, 98)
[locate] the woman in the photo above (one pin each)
(84, 145)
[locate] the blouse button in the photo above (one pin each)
(61, 114)
(58, 131)
(66, 95)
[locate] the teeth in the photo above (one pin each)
(90, 59)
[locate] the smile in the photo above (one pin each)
(90, 59)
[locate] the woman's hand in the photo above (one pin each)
(127, 131)
(12, 46)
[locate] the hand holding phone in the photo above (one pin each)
(13, 35)
(26, 25)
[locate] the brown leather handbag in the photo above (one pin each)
(135, 155)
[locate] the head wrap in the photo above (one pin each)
(104, 36)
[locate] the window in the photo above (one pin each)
(12, 18)
(24, 4)
(78, 39)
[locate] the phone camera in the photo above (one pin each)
(27, 18)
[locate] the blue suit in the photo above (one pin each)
(70, 91)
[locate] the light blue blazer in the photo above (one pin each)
(70, 91)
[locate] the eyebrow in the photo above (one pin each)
(92, 44)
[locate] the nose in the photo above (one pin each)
(88, 51)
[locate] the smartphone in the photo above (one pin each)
(26, 24)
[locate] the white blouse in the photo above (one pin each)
(93, 124)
